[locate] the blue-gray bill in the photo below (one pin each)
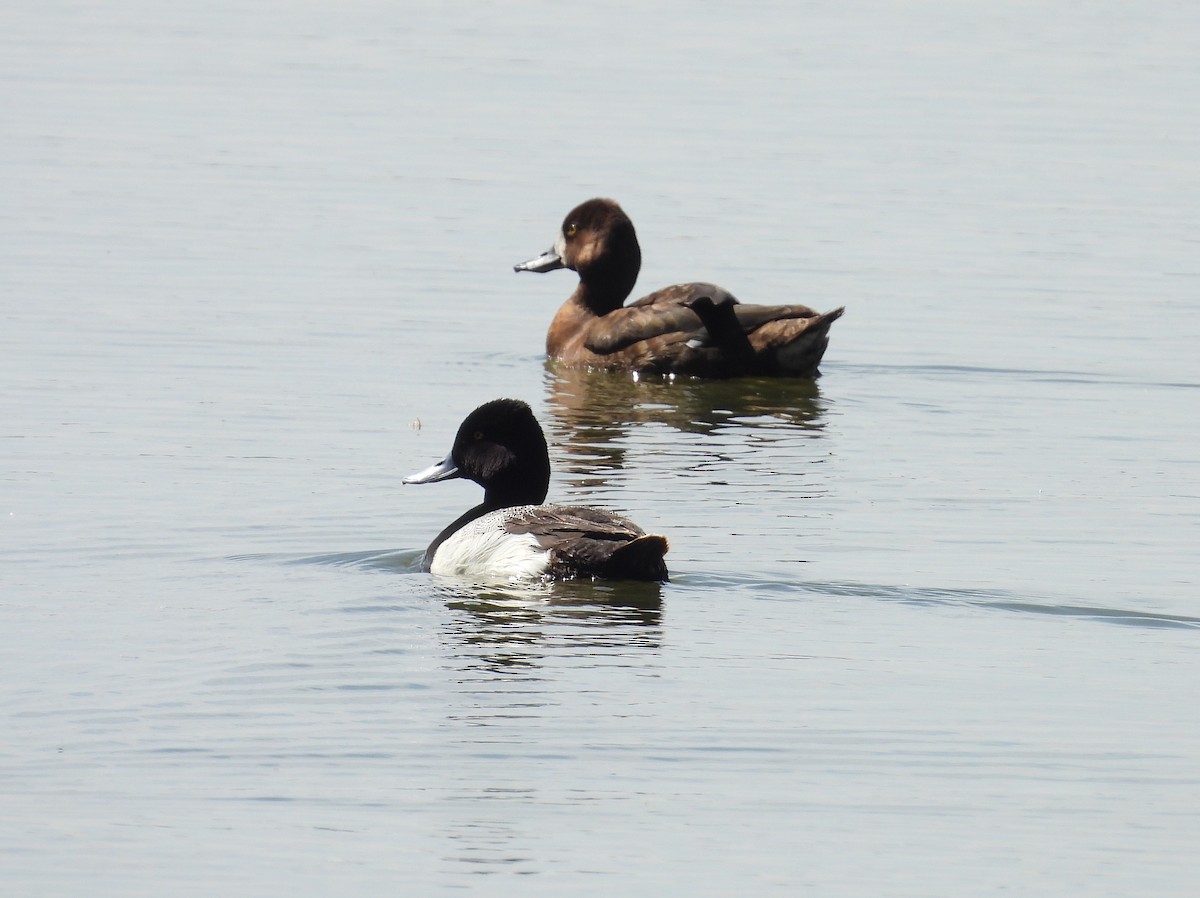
(443, 470)
(547, 261)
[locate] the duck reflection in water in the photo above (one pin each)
(513, 628)
(591, 412)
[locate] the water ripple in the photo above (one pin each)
(996, 600)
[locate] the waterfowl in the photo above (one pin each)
(513, 536)
(695, 329)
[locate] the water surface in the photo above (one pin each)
(932, 624)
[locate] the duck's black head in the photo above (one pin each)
(501, 447)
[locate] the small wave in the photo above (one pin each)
(401, 560)
(778, 589)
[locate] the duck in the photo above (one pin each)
(512, 535)
(696, 329)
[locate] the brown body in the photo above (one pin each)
(663, 332)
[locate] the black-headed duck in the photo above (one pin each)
(694, 329)
(511, 535)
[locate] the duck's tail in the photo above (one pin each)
(639, 559)
(794, 346)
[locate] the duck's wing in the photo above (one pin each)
(592, 542)
(663, 312)
(682, 295)
(752, 317)
(672, 311)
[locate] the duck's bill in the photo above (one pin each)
(443, 470)
(547, 261)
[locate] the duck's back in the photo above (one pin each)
(590, 542)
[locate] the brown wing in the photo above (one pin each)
(662, 312)
(592, 542)
(667, 312)
(752, 317)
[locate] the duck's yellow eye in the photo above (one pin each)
(570, 230)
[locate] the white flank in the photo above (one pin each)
(484, 549)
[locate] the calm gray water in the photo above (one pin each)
(934, 624)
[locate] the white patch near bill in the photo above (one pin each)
(484, 549)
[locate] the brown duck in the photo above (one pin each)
(694, 329)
